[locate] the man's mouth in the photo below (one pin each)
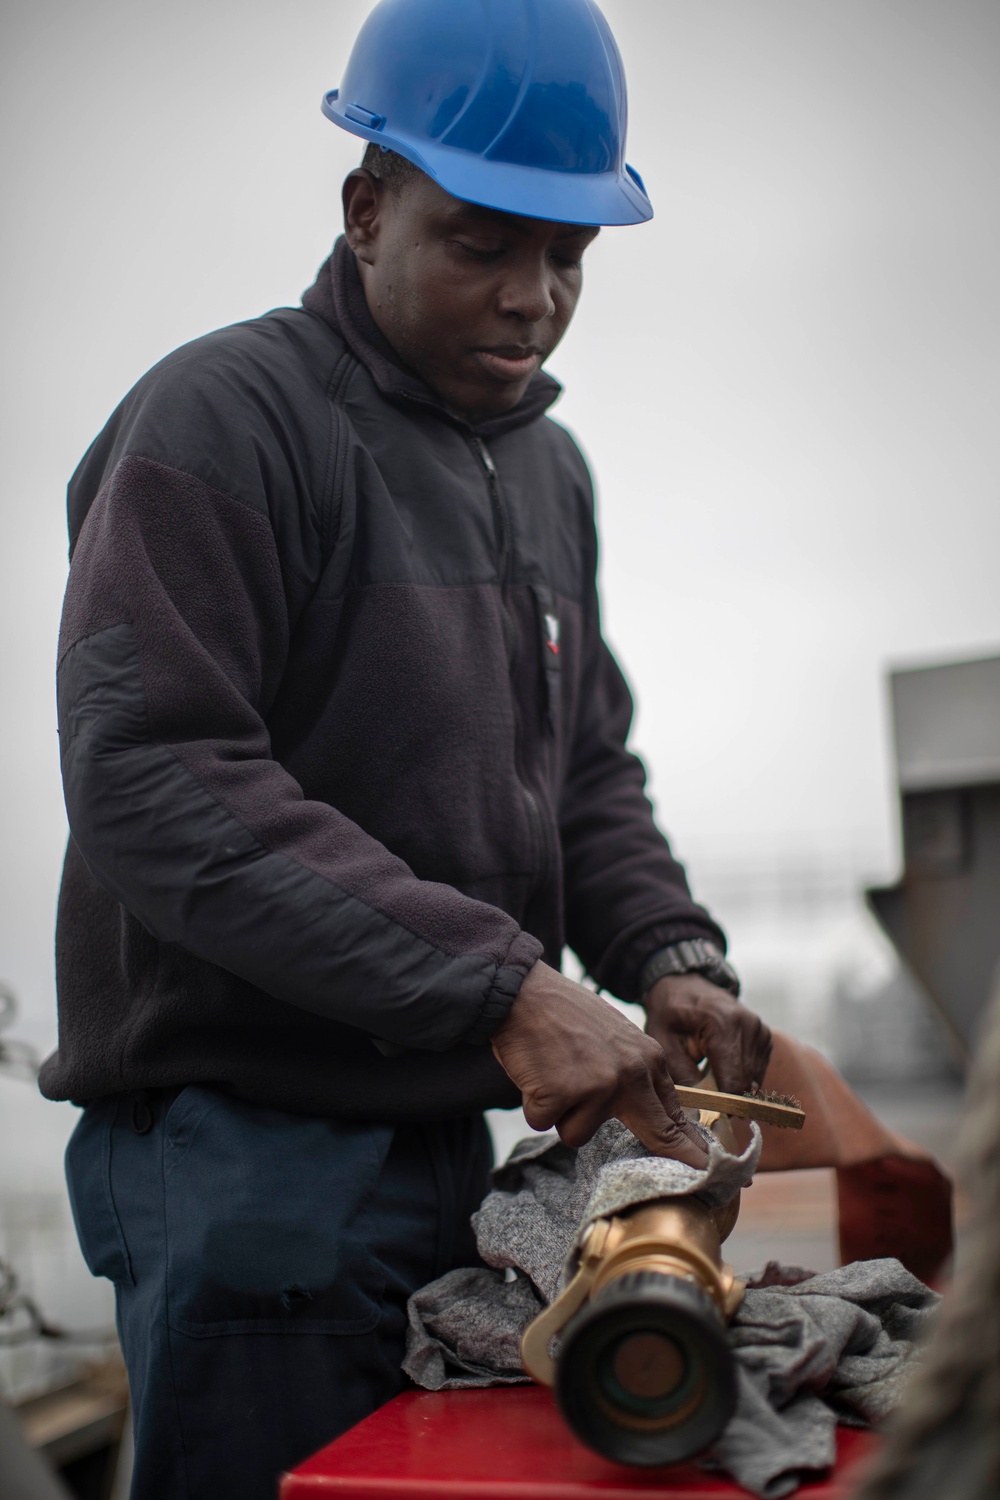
(511, 361)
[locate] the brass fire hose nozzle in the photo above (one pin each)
(645, 1374)
(672, 1237)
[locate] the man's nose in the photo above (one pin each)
(527, 293)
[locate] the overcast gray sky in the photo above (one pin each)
(787, 383)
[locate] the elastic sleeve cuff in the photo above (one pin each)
(523, 954)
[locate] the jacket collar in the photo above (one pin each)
(338, 297)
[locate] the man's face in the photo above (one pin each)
(472, 299)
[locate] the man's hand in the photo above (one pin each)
(692, 1018)
(579, 1062)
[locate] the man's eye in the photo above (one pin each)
(480, 252)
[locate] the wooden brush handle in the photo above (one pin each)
(747, 1108)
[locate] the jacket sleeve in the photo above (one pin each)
(174, 638)
(626, 895)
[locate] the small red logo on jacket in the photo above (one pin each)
(552, 632)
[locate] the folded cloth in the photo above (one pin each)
(811, 1352)
(809, 1349)
(546, 1195)
(465, 1328)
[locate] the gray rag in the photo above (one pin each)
(810, 1350)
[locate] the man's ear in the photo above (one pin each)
(363, 196)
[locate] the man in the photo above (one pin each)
(344, 759)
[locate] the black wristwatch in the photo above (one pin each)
(690, 956)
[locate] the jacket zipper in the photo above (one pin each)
(535, 819)
(499, 510)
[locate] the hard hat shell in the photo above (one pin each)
(515, 104)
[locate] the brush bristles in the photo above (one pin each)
(771, 1096)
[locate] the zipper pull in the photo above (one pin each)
(486, 457)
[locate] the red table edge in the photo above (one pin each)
(840, 1484)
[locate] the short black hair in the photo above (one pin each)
(391, 169)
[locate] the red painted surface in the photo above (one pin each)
(507, 1444)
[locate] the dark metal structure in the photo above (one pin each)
(944, 914)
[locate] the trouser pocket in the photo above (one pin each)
(267, 1219)
(89, 1179)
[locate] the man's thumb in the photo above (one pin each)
(682, 1066)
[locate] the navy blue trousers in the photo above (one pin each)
(262, 1262)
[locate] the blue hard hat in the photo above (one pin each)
(515, 104)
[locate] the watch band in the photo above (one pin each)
(690, 956)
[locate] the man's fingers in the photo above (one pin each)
(681, 1047)
(739, 1061)
(681, 1065)
(575, 1119)
(705, 1021)
(762, 1044)
(648, 1122)
(579, 1124)
(650, 1109)
(538, 1116)
(736, 1043)
(663, 1085)
(728, 1065)
(654, 1115)
(664, 1135)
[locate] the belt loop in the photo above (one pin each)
(142, 1111)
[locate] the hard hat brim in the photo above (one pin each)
(605, 198)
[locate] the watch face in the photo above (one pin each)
(730, 979)
(722, 975)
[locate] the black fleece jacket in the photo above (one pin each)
(343, 749)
